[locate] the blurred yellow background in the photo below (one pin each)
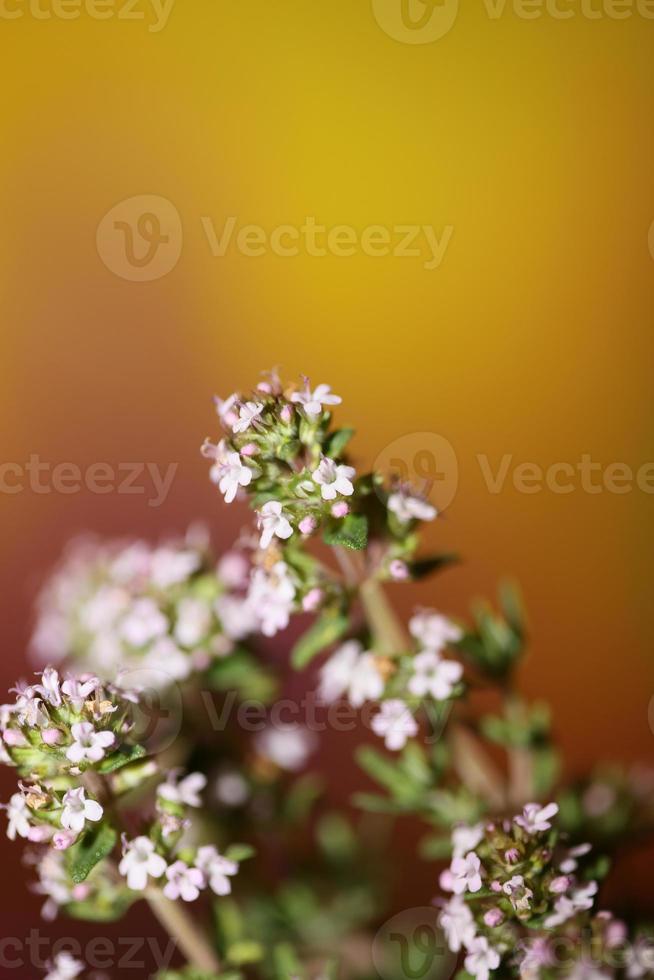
(525, 146)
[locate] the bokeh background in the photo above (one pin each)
(530, 139)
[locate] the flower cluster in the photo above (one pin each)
(278, 447)
(521, 897)
(118, 607)
(61, 728)
(401, 683)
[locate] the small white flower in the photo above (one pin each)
(457, 923)
(237, 617)
(225, 409)
(140, 862)
(313, 401)
(143, 623)
(79, 690)
(287, 745)
(64, 967)
(433, 676)
(17, 816)
(170, 566)
(183, 882)
(88, 745)
(233, 474)
(395, 724)
(570, 863)
(165, 662)
(247, 414)
(536, 818)
(193, 621)
(409, 508)
(434, 631)
(466, 874)
(481, 958)
(28, 708)
(351, 671)
(465, 838)
(77, 810)
(216, 868)
(273, 523)
(334, 478)
(186, 791)
(581, 900)
(49, 688)
(519, 894)
(270, 598)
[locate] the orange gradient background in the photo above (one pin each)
(531, 138)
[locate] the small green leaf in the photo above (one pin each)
(328, 628)
(337, 442)
(245, 951)
(422, 567)
(239, 852)
(89, 851)
(352, 533)
(121, 757)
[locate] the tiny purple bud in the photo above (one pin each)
(312, 600)
(308, 525)
(265, 387)
(446, 879)
(81, 892)
(493, 918)
(496, 886)
(560, 885)
(251, 449)
(286, 414)
(51, 736)
(340, 509)
(63, 839)
(512, 856)
(399, 570)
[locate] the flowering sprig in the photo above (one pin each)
(118, 607)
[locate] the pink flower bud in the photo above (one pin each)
(496, 886)
(340, 509)
(265, 387)
(286, 414)
(251, 449)
(12, 737)
(399, 570)
(63, 839)
(560, 885)
(493, 918)
(512, 856)
(312, 600)
(445, 880)
(51, 736)
(81, 893)
(308, 525)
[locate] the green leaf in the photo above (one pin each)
(434, 848)
(89, 851)
(328, 628)
(422, 567)
(121, 757)
(245, 951)
(337, 442)
(239, 852)
(242, 672)
(285, 962)
(387, 772)
(352, 532)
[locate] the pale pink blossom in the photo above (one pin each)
(313, 401)
(183, 882)
(273, 523)
(395, 724)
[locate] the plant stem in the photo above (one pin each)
(474, 767)
(180, 925)
(176, 920)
